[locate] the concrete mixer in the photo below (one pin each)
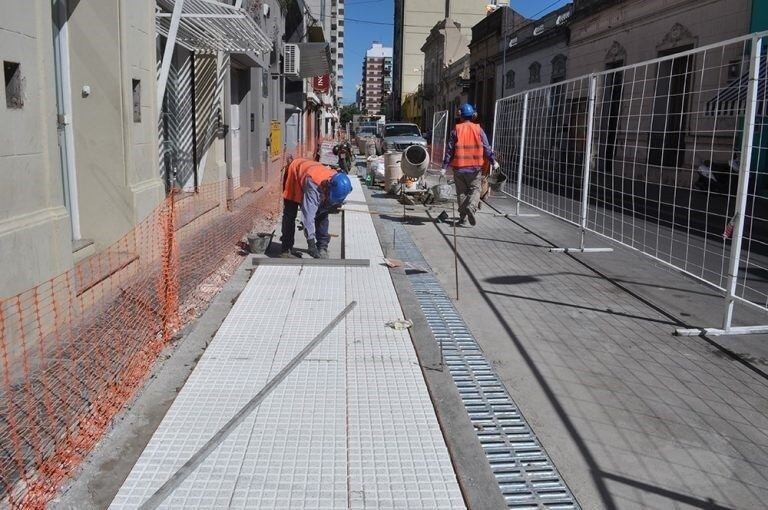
(415, 161)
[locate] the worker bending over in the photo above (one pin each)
(468, 153)
(317, 189)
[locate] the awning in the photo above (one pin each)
(732, 100)
(209, 25)
(314, 59)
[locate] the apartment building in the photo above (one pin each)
(337, 49)
(377, 78)
(325, 23)
(414, 20)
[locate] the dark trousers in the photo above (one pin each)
(290, 211)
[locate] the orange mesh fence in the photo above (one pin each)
(74, 350)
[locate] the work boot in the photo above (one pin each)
(471, 217)
(323, 253)
(462, 221)
(289, 254)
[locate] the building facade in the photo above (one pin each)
(668, 140)
(484, 53)
(414, 20)
(444, 46)
(377, 78)
(114, 115)
(325, 22)
(79, 171)
(533, 54)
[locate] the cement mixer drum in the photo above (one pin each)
(415, 161)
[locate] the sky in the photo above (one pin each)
(373, 20)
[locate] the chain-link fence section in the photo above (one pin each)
(667, 157)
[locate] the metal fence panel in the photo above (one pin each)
(663, 142)
(508, 138)
(555, 145)
(439, 137)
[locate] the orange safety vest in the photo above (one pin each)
(468, 151)
(298, 170)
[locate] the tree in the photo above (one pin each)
(347, 111)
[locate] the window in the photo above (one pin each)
(558, 68)
(401, 130)
(14, 96)
(534, 71)
(136, 87)
(509, 80)
(734, 69)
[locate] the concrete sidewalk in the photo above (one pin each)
(632, 416)
(352, 426)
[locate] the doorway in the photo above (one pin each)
(240, 118)
(673, 85)
(610, 111)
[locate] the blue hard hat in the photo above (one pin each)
(467, 111)
(339, 188)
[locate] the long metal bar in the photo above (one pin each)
(521, 163)
(201, 16)
(198, 457)
(743, 187)
(170, 44)
(432, 156)
(445, 135)
(259, 261)
(587, 159)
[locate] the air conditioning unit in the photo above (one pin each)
(291, 61)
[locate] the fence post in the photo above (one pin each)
(587, 159)
(170, 274)
(520, 162)
(743, 187)
(445, 136)
(432, 142)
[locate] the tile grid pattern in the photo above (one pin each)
(352, 427)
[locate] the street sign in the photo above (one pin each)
(321, 83)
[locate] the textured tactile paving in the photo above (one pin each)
(352, 427)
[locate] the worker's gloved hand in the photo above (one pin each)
(313, 251)
(495, 166)
(442, 172)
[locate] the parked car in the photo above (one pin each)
(399, 136)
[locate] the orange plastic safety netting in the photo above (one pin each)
(75, 349)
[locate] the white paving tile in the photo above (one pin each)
(351, 427)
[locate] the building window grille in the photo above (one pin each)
(559, 68)
(14, 95)
(509, 80)
(136, 89)
(534, 71)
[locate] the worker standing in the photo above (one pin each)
(467, 151)
(315, 188)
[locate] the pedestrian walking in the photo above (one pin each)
(467, 152)
(317, 189)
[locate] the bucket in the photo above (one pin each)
(415, 161)
(392, 170)
(370, 147)
(258, 242)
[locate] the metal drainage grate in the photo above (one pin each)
(526, 475)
